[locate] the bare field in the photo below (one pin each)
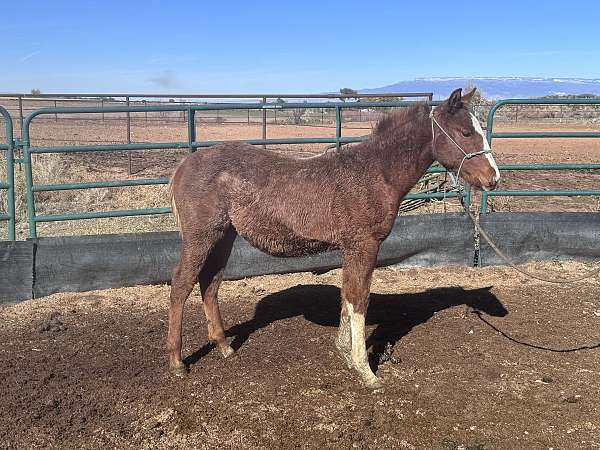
(482, 359)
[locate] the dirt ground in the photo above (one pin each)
(481, 359)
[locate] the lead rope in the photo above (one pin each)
(475, 219)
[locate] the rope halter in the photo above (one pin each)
(470, 155)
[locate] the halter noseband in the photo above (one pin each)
(467, 155)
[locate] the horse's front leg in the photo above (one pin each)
(359, 262)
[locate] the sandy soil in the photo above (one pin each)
(481, 359)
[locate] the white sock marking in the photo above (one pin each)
(359, 350)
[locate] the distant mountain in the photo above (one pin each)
(496, 87)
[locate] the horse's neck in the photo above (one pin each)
(403, 157)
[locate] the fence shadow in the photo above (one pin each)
(394, 315)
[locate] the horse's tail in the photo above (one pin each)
(172, 196)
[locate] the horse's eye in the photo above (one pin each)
(466, 133)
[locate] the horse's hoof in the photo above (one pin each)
(374, 384)
(178, 371)
(227, 351)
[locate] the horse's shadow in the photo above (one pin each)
(393, 314)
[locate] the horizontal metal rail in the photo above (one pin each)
(536, 193)
(547, 134)
(99, 184)
(101, 214)
(544, 193)
(9, 185)
(550, 166)
(544, 166)
(187, 145)
(190, 145)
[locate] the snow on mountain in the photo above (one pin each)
(496, 87)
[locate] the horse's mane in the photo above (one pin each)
(405, 118)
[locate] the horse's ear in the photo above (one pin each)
(455, 101)
(469, 96)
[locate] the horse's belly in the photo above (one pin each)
(286, 248)
(276, 239)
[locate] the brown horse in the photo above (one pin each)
(347, 200)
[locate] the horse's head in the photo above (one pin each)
(459, 143)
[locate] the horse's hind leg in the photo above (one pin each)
(210, 279)
(194, 252)
(359, 263)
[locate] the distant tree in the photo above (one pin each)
(280, 100)
(297, 115)
(348, 91)
(35, 92)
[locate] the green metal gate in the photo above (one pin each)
(191, 145)
(9, 184)
(539, 167)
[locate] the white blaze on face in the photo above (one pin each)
(486, 146)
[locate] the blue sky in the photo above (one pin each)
(283, 46)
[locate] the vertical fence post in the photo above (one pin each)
(102, 106)
(191, 129)
(146, 112)
(21, 112)
(128, 136)
(248, 116)
(29, 183)
(468, 195)
(10, 176)
(264, 120)
(484, 202)
(562, 113)
(10, 194)
(338, 125)
(55, 114)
